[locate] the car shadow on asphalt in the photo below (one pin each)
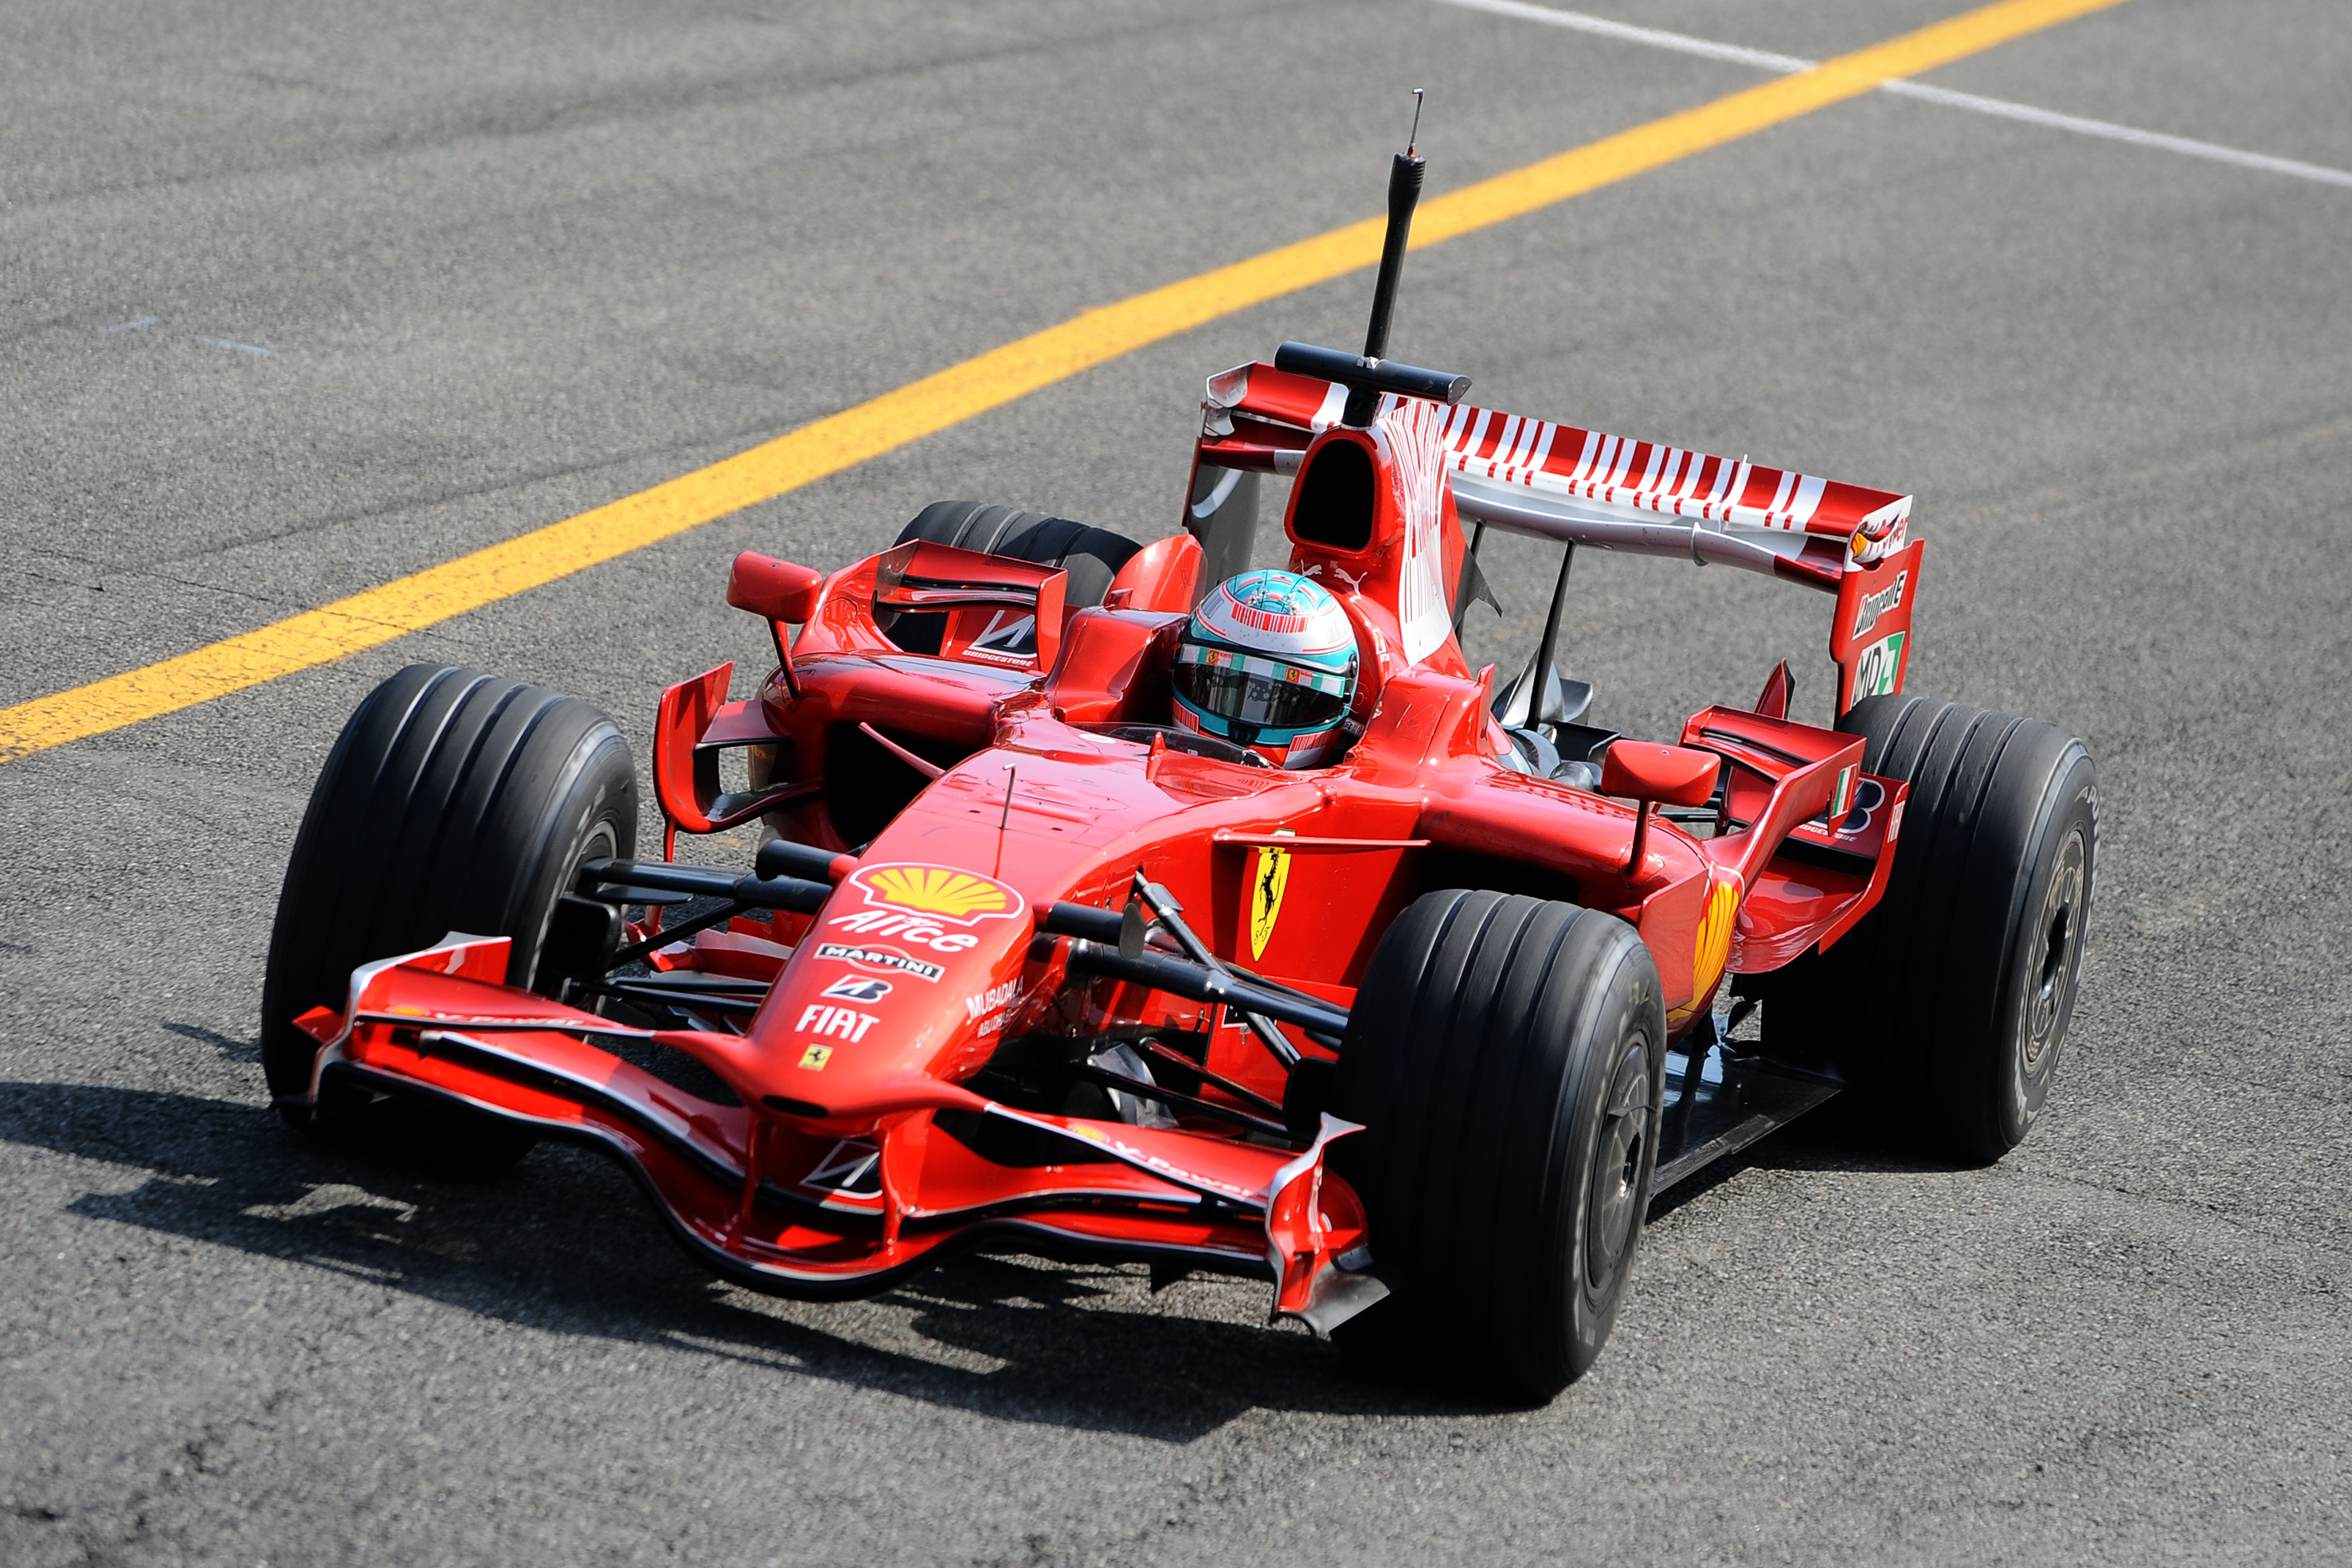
(566, 1244)
(1833, 1138)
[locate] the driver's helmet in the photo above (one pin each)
(1268, 660)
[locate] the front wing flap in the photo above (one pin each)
(802, 1205)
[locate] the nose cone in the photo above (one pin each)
(910, 972)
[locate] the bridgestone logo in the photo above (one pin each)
(1874, 605)
(880, 958)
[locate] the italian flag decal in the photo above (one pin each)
(1841, 798)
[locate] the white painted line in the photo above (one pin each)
(1625, 32)
(2000, 109)
(2111, 132)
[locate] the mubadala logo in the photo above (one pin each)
(989, 1001)
(1884, 602)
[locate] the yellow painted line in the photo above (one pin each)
(958, 393)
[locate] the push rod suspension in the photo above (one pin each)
(1198, 983)
(753, 892)
(1163, 904)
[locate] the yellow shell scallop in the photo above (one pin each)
(935, 890)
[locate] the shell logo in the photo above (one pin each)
(960, 897)
(1714, 947)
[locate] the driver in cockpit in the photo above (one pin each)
(1268, 660)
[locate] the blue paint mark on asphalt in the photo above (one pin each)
(149, 324)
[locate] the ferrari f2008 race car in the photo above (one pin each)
(1116, 901)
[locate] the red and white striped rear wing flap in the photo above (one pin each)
(1557, 481)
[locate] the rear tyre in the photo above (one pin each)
(1506, 1057)
(1091, 556)
(452, 800)
(1948, 1006)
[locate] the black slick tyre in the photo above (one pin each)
(452, 800)
(1948, 1006)
(1505, 1057)
(1091, 556)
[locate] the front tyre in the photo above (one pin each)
(452, 800)
(1505, 1058)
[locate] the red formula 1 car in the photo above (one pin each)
(1027, 962)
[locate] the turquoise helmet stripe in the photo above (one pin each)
(1268, 660)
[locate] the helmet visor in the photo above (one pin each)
(1237, 695)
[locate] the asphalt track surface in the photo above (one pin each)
(508, 263)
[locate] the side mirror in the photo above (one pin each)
(775, 589)
(1672, 775)
(1650, 773)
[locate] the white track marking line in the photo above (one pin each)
(1625, 32)
(2111, 132)
(2000, 109)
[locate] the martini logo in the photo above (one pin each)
(888, 958)
(1714, 947)
(958, 897)
(1884, 602)
(1266, 886)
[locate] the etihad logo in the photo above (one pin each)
(958, 897)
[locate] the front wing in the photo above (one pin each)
(789, 1204)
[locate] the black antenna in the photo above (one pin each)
(1406, 174)
(1368, 374)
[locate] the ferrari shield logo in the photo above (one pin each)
(1272, 875)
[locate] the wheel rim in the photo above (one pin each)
(2055, 958)
(600, 843)
(1614, 1209)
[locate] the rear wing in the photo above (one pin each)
(1582, 486)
